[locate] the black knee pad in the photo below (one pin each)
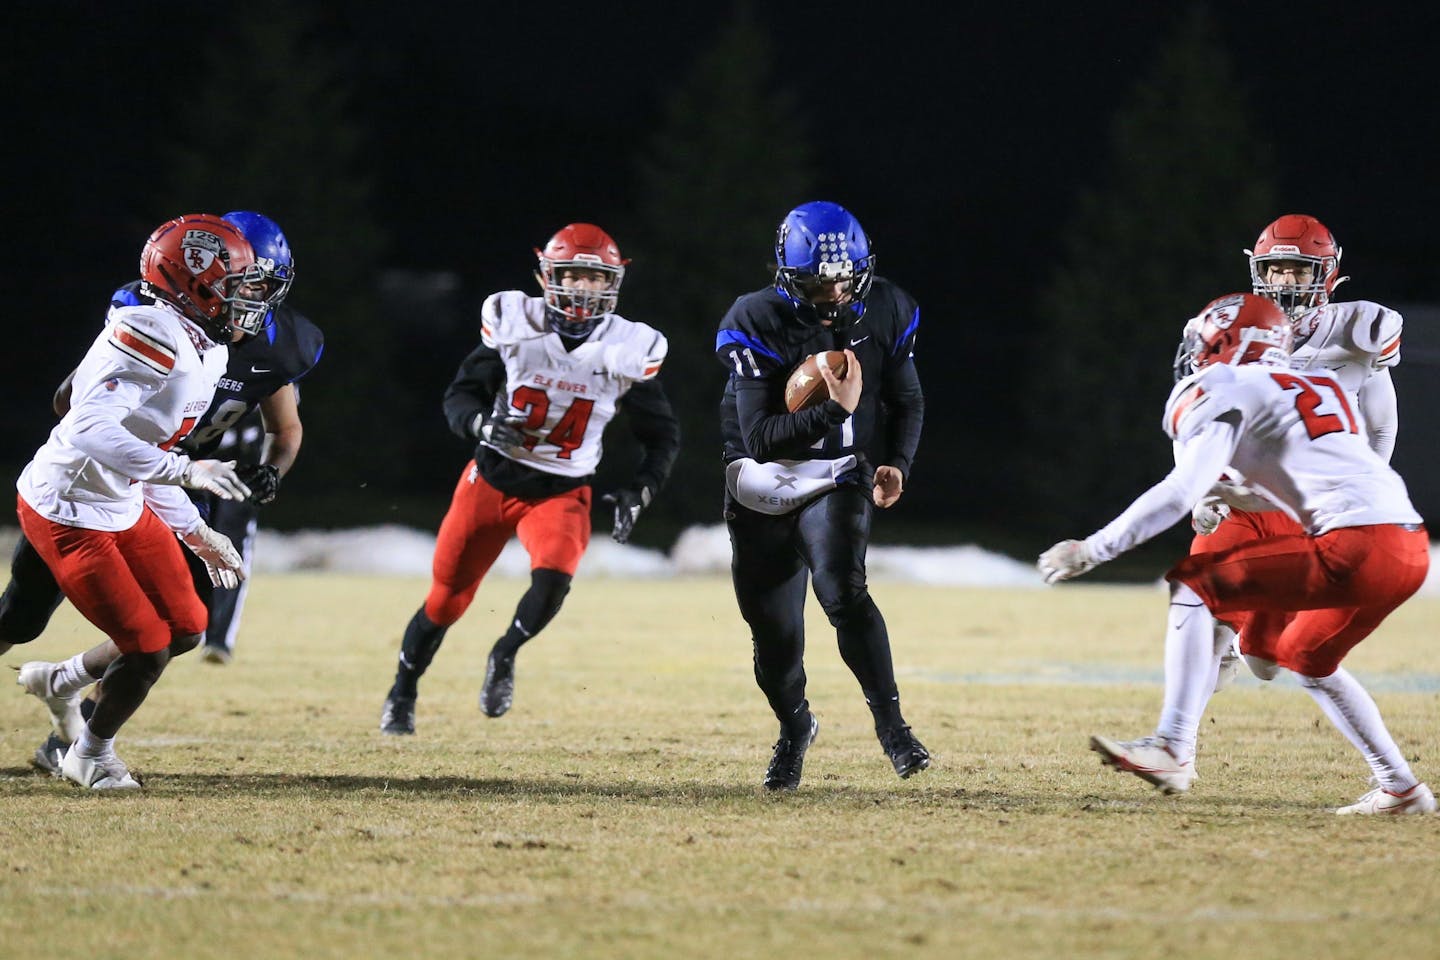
(542, 601)
(182, 645)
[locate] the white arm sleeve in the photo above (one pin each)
(1381, 412)
(99, 433)
(172, 506)
(1200, 460)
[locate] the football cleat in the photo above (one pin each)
(1418, 799)
(98, 773)
(35, 677)
(906, 752)
(216, 654)
(498, 691)
(398, 717)
(49, 755)
(788, 761)
(1150, 759)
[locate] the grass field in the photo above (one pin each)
(616, 812)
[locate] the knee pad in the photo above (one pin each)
(847, 605)
(1262, 668)
(184, 644)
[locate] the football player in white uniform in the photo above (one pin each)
(101, 501)
(1296, 263)
(549, 374)
(1296, 439)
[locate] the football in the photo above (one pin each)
(806, 388)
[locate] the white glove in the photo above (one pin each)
(1208, 514)
(222, 560)
(1067, 559)
(215, 476)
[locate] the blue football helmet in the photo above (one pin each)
(272, 255)
(823, 263)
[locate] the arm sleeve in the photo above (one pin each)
(656, 427)
(905, 413)
(99, 433)
(1381, 412)
(770, 436)
(479, 380)
(173, 507)
(1201, 460)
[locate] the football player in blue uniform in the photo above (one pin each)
(274, 349)
(801, 487)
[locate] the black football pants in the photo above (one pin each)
(770, 560)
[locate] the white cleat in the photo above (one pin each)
(1418, 799)
(1149, 759)
(65, 716)
(97, 773)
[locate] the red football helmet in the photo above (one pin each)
(575, 311)
(197, 263)
(1296, 237)
(1239, 328)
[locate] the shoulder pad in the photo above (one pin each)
(510, 317)
(632, 350)
(1197, 400)
(146, 335)
(309, 339)
(1376, 330)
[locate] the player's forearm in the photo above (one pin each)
(98, 433)
(1201, 462)
(172, 506)
(906, 403)
(770, 436)
(1381, 412)
(282, 447)
(655, 425)
(480, 378)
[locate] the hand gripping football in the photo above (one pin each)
(806, 388)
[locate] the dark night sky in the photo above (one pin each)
(959, 135)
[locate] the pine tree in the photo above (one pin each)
(1190, 183)
(729, 162)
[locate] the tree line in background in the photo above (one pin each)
(1057, 424)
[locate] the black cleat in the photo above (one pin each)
(49, 754)
(499, 690)
(398, 717)
(906, 752)
(789, 759)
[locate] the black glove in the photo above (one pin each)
(499, 429)
(628, 504)
(263, 479)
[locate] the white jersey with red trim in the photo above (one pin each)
(1301, 444)
(145, 382)
(1351, 341)
(566, 397)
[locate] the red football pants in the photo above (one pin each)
(1259, 629)
(555, 532)
(132, 584)
(1341, 585)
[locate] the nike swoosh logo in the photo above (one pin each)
(254, 369)
(854, 343)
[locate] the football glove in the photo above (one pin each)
(222, 561)
(499, 429)
(217, 477)
(1208, 514)
(628, 503)
(1067, 559)
(263, 479)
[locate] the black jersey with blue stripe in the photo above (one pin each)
(761, 340)
(285, 349)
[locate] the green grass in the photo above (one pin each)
(615, 812)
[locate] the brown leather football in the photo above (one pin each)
(806, 388)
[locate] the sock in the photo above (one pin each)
(89, 745)
(1191, 666)
(796, 723)
(1354, 713)
(535, 610)
(885, 708)
(422, 638)
(70, 677)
